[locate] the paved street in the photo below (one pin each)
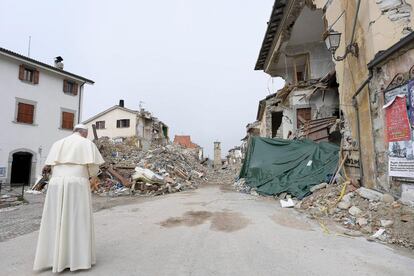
(215, 231)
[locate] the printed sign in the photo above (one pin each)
(391, 94)
(410, 88)
(401, 158)
(398, 126)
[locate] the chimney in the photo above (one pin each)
(121, 103)
(58, 62)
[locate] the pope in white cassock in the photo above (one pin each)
(66, 237)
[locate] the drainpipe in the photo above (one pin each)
(355, 104)
(80, 101)
(355, 21)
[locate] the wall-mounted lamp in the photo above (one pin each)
(332, 38)
(332, 41)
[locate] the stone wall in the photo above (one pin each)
(382, 79)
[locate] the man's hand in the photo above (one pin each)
(94, 181)
(46, 170)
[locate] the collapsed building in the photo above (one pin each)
(119, 122)
(185, 142)
(235, 155)
(346, 64)
(296, 53)
(349, 72)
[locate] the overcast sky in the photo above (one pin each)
(190, 61)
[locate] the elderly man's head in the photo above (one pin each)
(81, 129)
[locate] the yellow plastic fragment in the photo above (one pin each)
(324, 228)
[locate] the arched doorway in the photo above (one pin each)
(21, 168)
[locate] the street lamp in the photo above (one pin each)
(332, 40)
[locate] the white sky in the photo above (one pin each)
(190, 62)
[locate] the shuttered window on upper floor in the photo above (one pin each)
(68, 119)
(28, 74)
(25, 113)
(70, 87)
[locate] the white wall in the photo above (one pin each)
(111, 130)
(49, 98)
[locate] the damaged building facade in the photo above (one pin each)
(293, 49)
(121, 122)
(373, 60)
(186, 142)
(366, 47)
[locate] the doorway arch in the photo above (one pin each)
(22, 167)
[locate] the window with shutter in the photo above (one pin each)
(68, 119)
(25, 113)
(36, 77)
(28, 74)
(100, 124)
(70, 87)
(124, 123)
(75, 89)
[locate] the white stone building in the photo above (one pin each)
(114, 122)
(120, 122)
(40, 104)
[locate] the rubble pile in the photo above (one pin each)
(122, 152)
(160, 170)
(364, 211)
(10, 201)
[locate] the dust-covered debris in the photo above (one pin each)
(160, 170)
(365, 211)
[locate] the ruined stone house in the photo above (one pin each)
(120, 122)
(370, 46)
(373, 63)
(186, 142)
(293, 49)
(234, 156)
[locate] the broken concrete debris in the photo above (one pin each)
(355, 211)
(369, 194)
(131, 170)
(359, 210)
(365, 211)
(318, 187)
(160, 170)
(9, 200)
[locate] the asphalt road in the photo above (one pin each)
(214, 231)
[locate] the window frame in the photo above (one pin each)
(34, 74)
(16, 111)
(61, 118)
(97, 124)
(306, 74)
(70, 87)
(28, 72)
(118, 123)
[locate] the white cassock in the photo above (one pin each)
(66, 237)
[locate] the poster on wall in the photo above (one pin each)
(391, 94)
(397, 123)
(401, 159)
(398, 131)
(410, 89)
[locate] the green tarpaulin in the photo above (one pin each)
(274, 166)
